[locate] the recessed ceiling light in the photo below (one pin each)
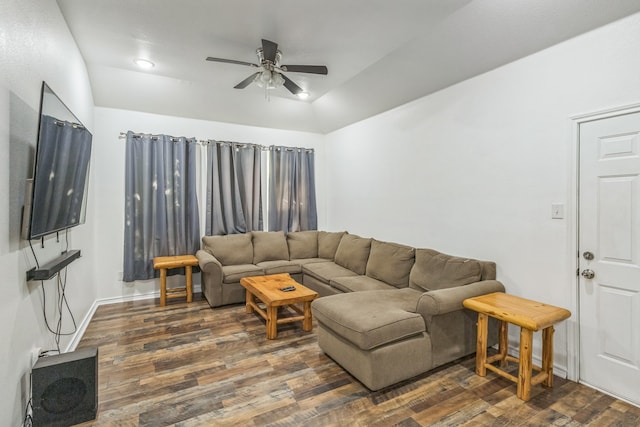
(144, 63)
(303, 95)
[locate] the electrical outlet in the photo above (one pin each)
(35, 354)
(120, 276)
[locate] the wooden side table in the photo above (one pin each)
(163, 263)
(531, 316)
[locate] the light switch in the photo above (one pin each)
(557, 210)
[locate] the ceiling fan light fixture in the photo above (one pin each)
(269, 80)
(145, 64)
(277, 80)
(303, 95)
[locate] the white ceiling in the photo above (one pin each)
(380, 53)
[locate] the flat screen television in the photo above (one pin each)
(61, 172)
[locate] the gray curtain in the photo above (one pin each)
(161, 205)
(292, 189)
(233, 188)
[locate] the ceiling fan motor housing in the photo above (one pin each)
(268, 64)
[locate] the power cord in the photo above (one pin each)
(66, 238)
(61, 303)
(34, 254)
(62, 298)
(28, 410)
(28, 418)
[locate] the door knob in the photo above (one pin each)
(588, 274)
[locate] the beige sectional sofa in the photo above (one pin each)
(388, 312)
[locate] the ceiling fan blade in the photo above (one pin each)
(246, 82)
(313, 69)
(231, 61)
(269, 50)
(291, 86)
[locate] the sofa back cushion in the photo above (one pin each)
(269, 246)
(231, 249)
(390, 263)
(328, 242)
(353, 253)
(303, 244)
(433, 270)
(488, 270)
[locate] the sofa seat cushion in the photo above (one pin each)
(231, 249)
(233, 273)
(281, 266)
(434, 270)
(371, 319)
(358, 283)
(325, 271)
(390, 263)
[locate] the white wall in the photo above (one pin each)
(108, 189)
(473, 170)
(35, 45)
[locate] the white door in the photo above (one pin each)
(609, 229)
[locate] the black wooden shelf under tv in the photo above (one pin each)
(50, 269)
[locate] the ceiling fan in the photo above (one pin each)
(271, 74)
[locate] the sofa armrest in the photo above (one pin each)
(208, 263)
(444, 301)
(452, 327)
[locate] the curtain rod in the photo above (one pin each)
(66, 123)
(237, 144)
(203, 142)
(123, 135)
(262, 147)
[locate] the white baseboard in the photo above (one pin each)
(75, 339)
(82, 327)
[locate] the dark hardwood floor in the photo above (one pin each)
(190, 365)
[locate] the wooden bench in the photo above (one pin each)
(163, 263)
(531, 316)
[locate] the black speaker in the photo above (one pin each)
(65, 388)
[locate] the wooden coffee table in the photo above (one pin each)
(266, 290)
